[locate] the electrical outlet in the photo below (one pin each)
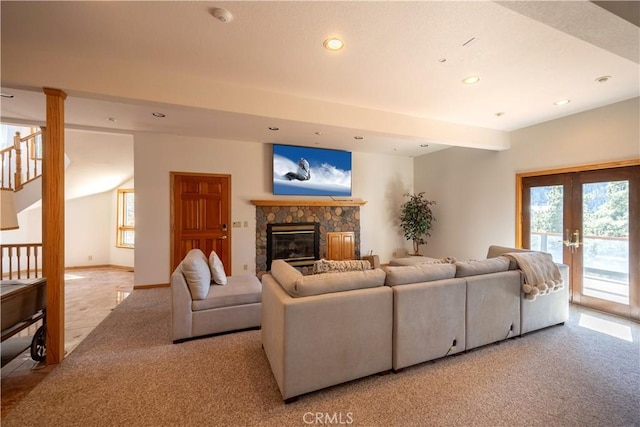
(246, 267)
(237, 224)
(90, 257)
(246, 224)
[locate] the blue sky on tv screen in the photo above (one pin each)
(330, 171)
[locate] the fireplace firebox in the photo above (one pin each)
(298, 244)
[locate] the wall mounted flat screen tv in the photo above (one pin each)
(307, 171)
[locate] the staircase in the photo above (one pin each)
(20, 166)
(22, 162)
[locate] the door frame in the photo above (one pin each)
(521, 175)
(172, 175)
(520, 203)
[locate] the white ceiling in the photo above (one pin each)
(397, 81)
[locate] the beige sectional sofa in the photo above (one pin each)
(326, 329)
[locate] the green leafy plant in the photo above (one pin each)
(416, 219)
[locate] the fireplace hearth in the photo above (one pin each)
(298, 244)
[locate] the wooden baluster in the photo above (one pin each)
(36, 251)
(9, 253)
(28, 261)
(35, 154)
(2, 173)
(18, 261)
(18, 173)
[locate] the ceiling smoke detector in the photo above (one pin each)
(222, 15)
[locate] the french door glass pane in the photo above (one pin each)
(605, 218)
(546, 220)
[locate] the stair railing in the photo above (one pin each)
(21, 261)
(22, 162)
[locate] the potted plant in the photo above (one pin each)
(416, 219)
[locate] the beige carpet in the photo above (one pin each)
(128, 373)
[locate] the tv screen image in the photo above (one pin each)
(307, 171)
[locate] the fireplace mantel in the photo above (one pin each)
(299, 202)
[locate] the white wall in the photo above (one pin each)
(376, 179)
(475, 189)
(90, 231)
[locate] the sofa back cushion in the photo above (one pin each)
(298, 285)
(425, 272)
(195, 268)
(484, 266)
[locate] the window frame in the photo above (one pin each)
(121, 227)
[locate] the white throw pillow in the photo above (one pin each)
(217, 269)
(196, 271)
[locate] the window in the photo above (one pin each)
(126, 219)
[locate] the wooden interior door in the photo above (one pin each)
(200, 214)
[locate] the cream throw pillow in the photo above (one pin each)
(217, 269)
(197, 274)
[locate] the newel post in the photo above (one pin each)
(53, 223)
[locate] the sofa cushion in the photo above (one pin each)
(484, 266)
(197, 274)
(217, 269)
(297, 285)
(244, 289)
(425, 272)
(414, 260)
(285, 274)
(330, 266)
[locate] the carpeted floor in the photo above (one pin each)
(128, 373)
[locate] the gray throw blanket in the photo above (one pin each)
(541, 274)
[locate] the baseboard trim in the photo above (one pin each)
(89, 267)
(143, 287)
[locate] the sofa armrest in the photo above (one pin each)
(181, 312)
(546, 310)
(318, 341)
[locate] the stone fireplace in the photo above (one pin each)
(325, 216)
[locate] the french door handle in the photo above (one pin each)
(572, 240)
(222, 238)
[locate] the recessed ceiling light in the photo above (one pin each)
(499, 114)
(157, 114)
(333, 44)
(442, 60)
(424, 145)
(6, 95)
(562, 102)
(603, 79)
(318, 133)
(471, 80)
(273, 128)
(112, 119)
(358, 137)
